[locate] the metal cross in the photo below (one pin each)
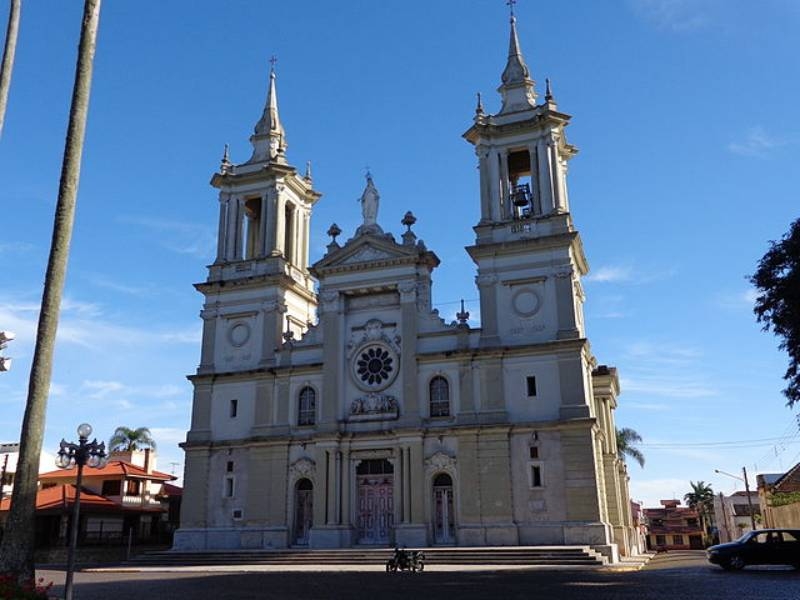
(511, 4)
(272, 62)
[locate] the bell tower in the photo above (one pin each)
(529, 255)
(259, 291)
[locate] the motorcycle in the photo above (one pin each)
(405, 560)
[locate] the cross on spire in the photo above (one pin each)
(272, 60)
(511, 4)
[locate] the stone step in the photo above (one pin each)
(563, 555)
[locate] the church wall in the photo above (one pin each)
(545, 405)
(223, 425)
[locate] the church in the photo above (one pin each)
(334, 408)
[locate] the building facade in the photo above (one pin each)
(673, 527)
(732, 514)
(333, 407)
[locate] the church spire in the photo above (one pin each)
(269, 138)
(517, 88)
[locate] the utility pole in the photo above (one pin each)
(3, 477)
(749, 501)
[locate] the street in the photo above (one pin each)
(680, 575)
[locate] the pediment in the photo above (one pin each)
(360, 253)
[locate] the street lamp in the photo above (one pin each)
(746, 489)
(80, 454)
(5, 361)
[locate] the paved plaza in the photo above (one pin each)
(680, 575)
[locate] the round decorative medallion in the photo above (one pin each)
(238, 334)
(375, 366)
(525, 302)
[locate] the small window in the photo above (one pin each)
(229, 466)
(111, 487)
(238, 514)
(661, 540)
(677, 540)
(307, 406)
(229, 487)
(691, 522)
(234, 408)
(534, 451)
(132, 487)
(536, 476)
(439, 391)
(531, 386)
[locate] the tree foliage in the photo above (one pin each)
(126, 439)
(701, 499)
(777, 306)
(626, 440)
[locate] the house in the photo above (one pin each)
(779, 498)
(732, 514)
(126, 497)
(673, 527)
(333, 406)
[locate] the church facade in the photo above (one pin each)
(333, 407)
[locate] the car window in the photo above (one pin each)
(762, 538)
(789, 536)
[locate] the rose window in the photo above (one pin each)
(375, 367)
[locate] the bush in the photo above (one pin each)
(10, 589)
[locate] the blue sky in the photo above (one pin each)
(684, 113)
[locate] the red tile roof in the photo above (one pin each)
(113, 468)
(61, 496)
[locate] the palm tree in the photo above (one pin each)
(8, 57)
(17, 549)
(626, 440)
(126, 439)
(701, 499)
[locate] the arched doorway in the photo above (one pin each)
(375, 518)
(303, 511)
(444, 530)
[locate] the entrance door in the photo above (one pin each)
(303, 511)
(443, 514)
(375, 517)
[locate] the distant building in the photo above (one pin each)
(128, 495)
(732, 514)
(673, 527)
(779, 498)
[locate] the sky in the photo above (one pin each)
(684, 112)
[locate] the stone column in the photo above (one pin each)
(264, 408)
(321, 487)
(210, 318)
(506, 209)
(271, 327)
(565, 305)
(332, 358)
(238, 229)
(280, 222)
(545, 183)
(201, 412)
(493, 397)
(221, 229)
(536, 201)
(270, 222)
(263, 223)
(488, 297)
(408, 362)
(495, 192)
(555, 165)
(485, 185)
(194, 508)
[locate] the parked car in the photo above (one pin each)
(760, 547)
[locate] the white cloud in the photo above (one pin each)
(16, 248)
(182, 237)
(757, 142)
(738, 300)
(610, 274)
(664, 370)
(98, 390)
(674, 15)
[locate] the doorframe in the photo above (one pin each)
(356, 458)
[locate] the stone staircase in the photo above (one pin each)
(502, 555)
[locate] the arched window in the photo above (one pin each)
(439, 397)
(307, 406)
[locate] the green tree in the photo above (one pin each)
(125, 439)
(777, 306)
(16, 551)
(8, 57)
(701, 499)
(626, 440)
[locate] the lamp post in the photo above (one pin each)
(71, 455)
(747, 490)
(5, 361)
